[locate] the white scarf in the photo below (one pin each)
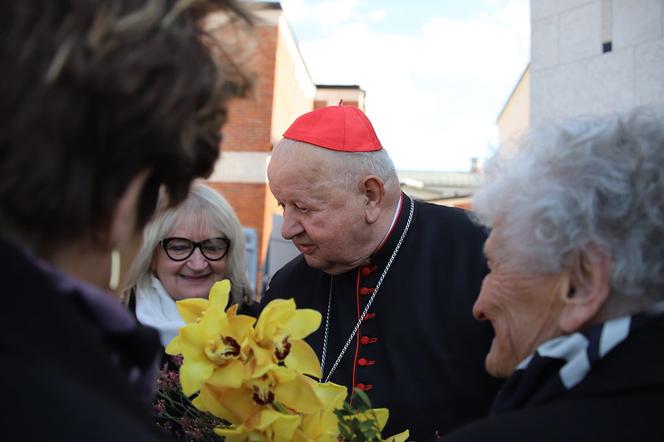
(155, 307)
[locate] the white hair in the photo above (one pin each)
(588, 181)
(352, 166)
(209, 210)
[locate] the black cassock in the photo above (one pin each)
(418, 351)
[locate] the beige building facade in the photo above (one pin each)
(587, 57)
(595, 56)
(514, 118)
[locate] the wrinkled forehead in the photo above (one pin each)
(295, 161)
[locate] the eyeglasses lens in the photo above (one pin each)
(181, 249)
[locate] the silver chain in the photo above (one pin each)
(366, 309)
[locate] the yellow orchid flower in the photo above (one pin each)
(294, 390)
(322, 426)
(278, 338)
(235, 405)
(277, 388)
(266, 425)
(211, 344)
(193, 309)
(255, 373)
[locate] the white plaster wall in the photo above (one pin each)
(595, 85)
(546, 8)
(570, 74)
(241, 167)
(579, 35)
(649, 61)
(636, 21)
(544, 42)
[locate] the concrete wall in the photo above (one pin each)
(571, 74)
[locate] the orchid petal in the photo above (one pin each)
(297, 395)
(192, 309)
(193, 374)
(219, 294)
(302, 323)
(207, 401)
(331, 395)
(173, 347)
(238, 402)
(230, 375)
(303, 359)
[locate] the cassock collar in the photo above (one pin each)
(384, 251)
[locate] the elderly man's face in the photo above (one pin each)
(524, 309)
(324, 219)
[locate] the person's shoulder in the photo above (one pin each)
(296, 268)
(75, 410)
(291, 280)
(289, 273)
(449, 221)
(443, 212)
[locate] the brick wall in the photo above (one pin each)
(254, 205)
(249, 119)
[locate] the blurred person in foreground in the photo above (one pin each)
(185, 251)
(394, 279)
(101, 104)
(576, 289)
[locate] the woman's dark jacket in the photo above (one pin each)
(620, 400)
(63, 376)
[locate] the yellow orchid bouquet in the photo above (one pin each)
(259, 374)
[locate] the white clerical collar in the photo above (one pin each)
(394, 222)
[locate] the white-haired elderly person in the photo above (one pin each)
(186, 250)
(576, 283)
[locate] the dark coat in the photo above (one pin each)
(620, 400)
(419, 351)
(57, 377)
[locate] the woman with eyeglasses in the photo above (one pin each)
(185, 251)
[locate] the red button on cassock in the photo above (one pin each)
(364, 387)
(367, 270)
(365, 362)
(369, 316)
(364, 340)
(366, 290)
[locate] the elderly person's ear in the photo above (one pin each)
(374, 192)
(587, 291)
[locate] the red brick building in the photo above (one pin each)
(283, 90)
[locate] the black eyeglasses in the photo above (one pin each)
(179, 249)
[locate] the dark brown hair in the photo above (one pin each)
(92, 93)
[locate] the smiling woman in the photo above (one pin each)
(185, 251)
(576, 289)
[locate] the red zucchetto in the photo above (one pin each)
(342, 128)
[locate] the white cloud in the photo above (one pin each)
(433, 95)
(328, 12)
(296, 10)
(378, 15)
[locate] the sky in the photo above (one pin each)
(436, 72)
